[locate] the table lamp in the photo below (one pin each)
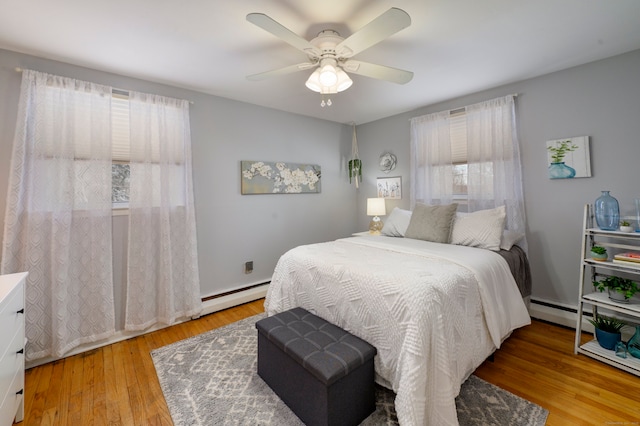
(375, 208)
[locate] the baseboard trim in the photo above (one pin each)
(234, 299)
(210, 305)
(558, 313)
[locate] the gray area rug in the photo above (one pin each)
(211, 379)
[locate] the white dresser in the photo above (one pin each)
(12, 343)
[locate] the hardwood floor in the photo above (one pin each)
(117, 384)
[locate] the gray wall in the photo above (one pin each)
(600, 100)
(232, 228)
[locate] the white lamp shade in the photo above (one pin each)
(344, 82)
(376, 207)
(313, 82)
(328, 74)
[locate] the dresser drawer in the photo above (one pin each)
(11, 401)
(10, 319)
(12, 362)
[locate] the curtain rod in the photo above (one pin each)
(457, 110)
(113, 89)
(460, 109)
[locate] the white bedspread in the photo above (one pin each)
(433, 311)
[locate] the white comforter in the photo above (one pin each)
(433, 311)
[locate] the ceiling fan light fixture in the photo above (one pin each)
(344, 82)
(313, 82)
(328, 72)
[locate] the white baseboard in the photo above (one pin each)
(557, 313)
(553, 312)
(208, 307)
(234, 299)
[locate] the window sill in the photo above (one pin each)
(120, 211)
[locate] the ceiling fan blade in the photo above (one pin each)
(281, 71)
(283, 33)
(385, 25)
(380, 72)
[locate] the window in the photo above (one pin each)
(120, 171)
(120, 174)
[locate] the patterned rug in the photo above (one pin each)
(211, 379)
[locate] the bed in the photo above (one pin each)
(434, 311)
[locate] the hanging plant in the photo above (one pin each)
(355, 165)
(355, 170)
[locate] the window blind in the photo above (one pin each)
(458, 134)
(120, 127)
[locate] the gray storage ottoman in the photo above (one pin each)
(323, 373)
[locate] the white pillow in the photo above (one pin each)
(509, 238)
(482, 229)
(397, 223)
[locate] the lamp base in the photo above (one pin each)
(375, 226)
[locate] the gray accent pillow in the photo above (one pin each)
(431, 223)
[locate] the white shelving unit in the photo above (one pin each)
(589, 270)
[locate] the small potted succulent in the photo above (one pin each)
(620, 289)
(625, 226)
(599, 253)
(607, 330)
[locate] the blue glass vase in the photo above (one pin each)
(561, 171)
(633, 345)
(607, 212)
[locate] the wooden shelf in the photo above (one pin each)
(589, 270)
(593, 349)
(602, 300)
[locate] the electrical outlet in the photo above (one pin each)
(248, 267)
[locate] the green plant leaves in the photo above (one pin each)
(355, 168)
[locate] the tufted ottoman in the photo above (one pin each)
(323, 373)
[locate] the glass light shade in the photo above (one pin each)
(328, 75)
(344, 82)
(330, 90)
(313, 82)
(376, 207)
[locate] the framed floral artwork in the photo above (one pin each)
(390, 187)
(263, 177)
(568, 158)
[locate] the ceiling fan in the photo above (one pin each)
(331, 55)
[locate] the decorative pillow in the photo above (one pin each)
(431, 223)
(397, 223)
(482, 229)
(509, 238)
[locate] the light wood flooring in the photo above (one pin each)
(117, 384)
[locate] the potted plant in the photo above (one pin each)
(607, 330)
(625, 226)
(599, 253)
(620, 289)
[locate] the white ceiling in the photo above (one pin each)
(454, 47)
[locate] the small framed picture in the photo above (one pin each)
(390, 187)
(568, 158)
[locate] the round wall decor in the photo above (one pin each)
(387, 162)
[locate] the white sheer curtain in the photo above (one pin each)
(58, 217)
(494, 174)
(431, 166)
(493, 157)
(163, 281)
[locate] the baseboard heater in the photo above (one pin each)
(556, 313)
(235, 297)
